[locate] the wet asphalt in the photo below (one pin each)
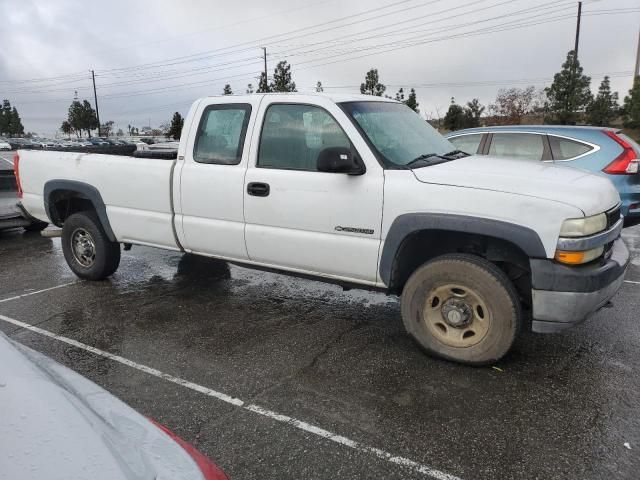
(558, 406)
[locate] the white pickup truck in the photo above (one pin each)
(359, 191)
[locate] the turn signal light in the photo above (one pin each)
(578, 258)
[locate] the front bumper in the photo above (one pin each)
(564, 296)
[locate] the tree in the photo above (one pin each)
(632, 105)
(319, 87)
(10, 122)
(82, 117)
(412, 101)
(604, 107)
(372, 85)
(227, 90)
(250, 88)
(400, 95)
(512, 104)
(569, 93)
(282, 81)
(175, 130)
(455, 118)
(106, 128)
(66, 128)
(119, 133)
(473, 111)
(263, 84)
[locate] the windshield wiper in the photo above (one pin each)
(455, 154)
(421, 159)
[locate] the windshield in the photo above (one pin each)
(398, 134)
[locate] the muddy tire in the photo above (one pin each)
(462, 308)
(87, 249)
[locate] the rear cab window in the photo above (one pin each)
(221, 134)
(467, 143)
(566, 148)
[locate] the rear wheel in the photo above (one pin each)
(87, 249)
(462, 308)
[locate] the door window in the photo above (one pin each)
(467, 143)
(564, 149)
(220, 136)
(517, 145)
(294, 135)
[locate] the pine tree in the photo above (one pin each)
(5, 117)
(400, 95)
(227, 90)
(569, 93)
(473, 111)
(604, 107)
(319, 87)
(372, 85)
(263, 84)
(412, 101)
(455, 117)
(175, 130)
(282, 81)
(632, 105)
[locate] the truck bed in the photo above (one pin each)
(136, 192)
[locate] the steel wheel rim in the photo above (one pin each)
(83, 247)
(457, 315)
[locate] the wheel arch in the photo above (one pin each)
(418, 237)
(65, 197)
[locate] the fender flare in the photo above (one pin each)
(405, 225)
(83, 190)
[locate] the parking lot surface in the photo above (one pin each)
(275, 377)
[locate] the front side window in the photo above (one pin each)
(467, 143)
(564, 149)
(397, 133)
(293, 136)
(220, 136)
(525, 146)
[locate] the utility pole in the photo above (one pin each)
(578, 29)
(95, 97)
(264, 50)
(637, 70)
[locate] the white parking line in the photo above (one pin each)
(10, 162)
(37, 291)
(292, 422)
(631, 281)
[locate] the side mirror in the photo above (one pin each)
(339, 160)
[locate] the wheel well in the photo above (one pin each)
(64, 203)
(421, 246)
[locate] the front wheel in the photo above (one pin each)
(87, 248)
(462, 308)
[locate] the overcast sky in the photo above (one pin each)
(155, 57)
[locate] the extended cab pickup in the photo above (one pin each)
(356, 190)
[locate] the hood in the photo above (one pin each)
(56, 424)
(590, 193)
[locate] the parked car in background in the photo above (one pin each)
(605, 151)
(24, 143)
(97, 141)
(58, 425)
(4, 145)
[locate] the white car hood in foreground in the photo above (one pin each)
(588, 192)
(57, 425)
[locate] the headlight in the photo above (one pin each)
(581, 227)
(578, 258)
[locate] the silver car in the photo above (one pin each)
(56, 424)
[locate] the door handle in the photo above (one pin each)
(258, 189)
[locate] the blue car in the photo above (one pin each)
(605, 151)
